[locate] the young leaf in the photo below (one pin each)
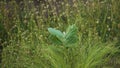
(55, 32)
(71, 35)
(56, 36)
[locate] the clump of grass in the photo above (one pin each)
(90, 53)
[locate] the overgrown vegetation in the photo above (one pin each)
(30, 36)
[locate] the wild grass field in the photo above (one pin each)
(60, 34)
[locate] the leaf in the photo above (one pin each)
(56, 33)
(71, 40)
(71, 35)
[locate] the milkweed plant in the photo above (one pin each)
(88, 54)
(66, 38)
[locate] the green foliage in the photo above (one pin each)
(56, 36)
(70, 36)
(87, 57)
(23, 32)
(91, 53)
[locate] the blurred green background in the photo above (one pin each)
(24, 24)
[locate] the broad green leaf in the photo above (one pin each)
(71, 40)
(55, 32)
(71, 35)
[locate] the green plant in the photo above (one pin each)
(67, 38)
(23, 31)
(89, 53)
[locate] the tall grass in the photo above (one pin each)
(28, 51)
(24, 35)
(90, 52)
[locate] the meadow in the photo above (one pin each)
(60, 34)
